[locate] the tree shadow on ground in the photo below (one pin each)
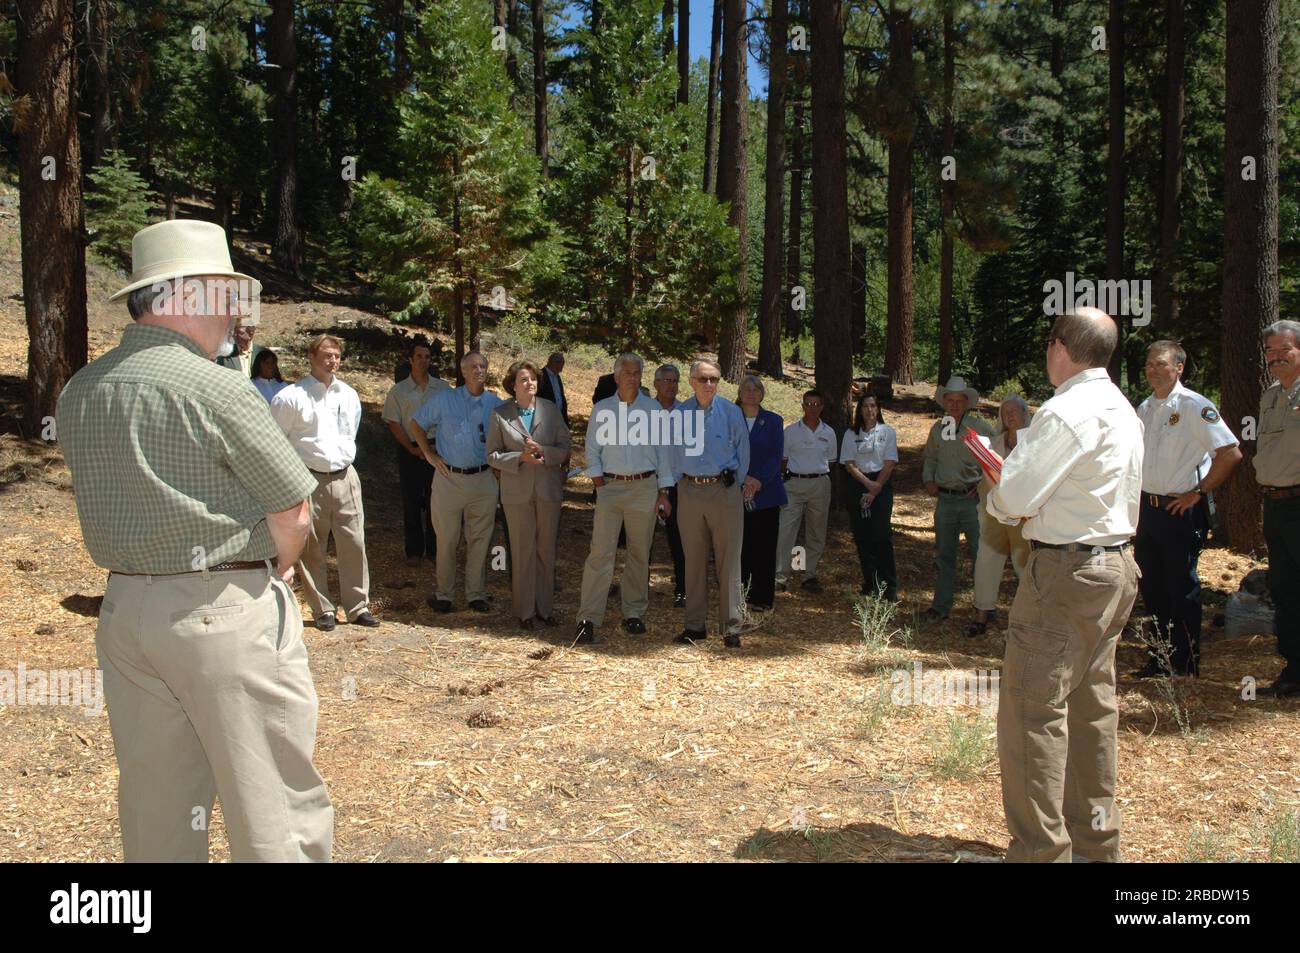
(862, 843)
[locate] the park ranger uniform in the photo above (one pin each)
(950, 463)
(1181, 433)
(808, 455)
(175, 464)
(1277, 467)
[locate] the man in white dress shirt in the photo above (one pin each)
(1189, 451)
(1075, 479)
(810, 449)
(321, 416)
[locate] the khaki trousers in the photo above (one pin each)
(1057, 714)
(629, 505)
(336, 507)
(997, 542)
(810, 503)
(534, 528)
(712, 515)
(471, 497)
(209, 692)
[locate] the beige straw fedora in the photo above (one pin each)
(179, 248)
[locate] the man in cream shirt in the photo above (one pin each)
(321, 416)
(1075, 479)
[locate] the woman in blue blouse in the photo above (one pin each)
(870, 453)
(764, 494)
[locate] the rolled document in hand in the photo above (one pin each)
(988, 460)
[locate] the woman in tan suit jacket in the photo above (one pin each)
(528, 445)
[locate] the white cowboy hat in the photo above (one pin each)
(179, 248)
(958, 384)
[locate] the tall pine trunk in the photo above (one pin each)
(683, 52)
(539, 84)
(1166, 283)
(503, 18)
(946, 188)
(794, 241)
(668, 29)
(832, 351)
(769, 318)
(733, 181)
(49, 202)
(900, 125)
(101, 103)
(1115, 171)
(1250, 246)
(286, 245)
(711, 110)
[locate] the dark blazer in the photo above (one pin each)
(546, 392)
(505, 445)
(232, 362)
(605, 387)
(766, 444)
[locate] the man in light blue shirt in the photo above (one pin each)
(632, 470)
(464, 487)
(712, 470)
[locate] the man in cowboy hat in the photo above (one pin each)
(192, 498)
(951, 473)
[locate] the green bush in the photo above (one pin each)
(117, 206)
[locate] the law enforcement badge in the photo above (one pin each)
(1174, 418)
(1209, 415)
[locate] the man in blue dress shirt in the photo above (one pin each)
(632, 471)
(711, 505)
(463, 485)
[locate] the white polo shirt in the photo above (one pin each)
(1076, 475)
(321, 422)
(809, 451)
(1181, 434)
(869, 451)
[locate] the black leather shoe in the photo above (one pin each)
(812, 585)
(634, 626)
(679, 600)
(758, 607)
(526, 624)
(365, 618)
(1282, 688)
(1154, 669)
(689, 637)
(731, 641)
(975, 629)
(548, 621)
(439, 605)
(586, 632)
(326, 622)
(479, 605)
(932, 615)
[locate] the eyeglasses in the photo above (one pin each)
(709, 380)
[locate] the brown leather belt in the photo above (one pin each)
(702, 480)
(330, 472)
(966, 492)
(804, 476)
(628, 477)
(468, 471)
(237, 566)
(1078, 547)
(1280, 492)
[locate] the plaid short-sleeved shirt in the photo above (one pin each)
(175, 461)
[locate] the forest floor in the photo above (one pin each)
(461, 738)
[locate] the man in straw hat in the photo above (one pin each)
(1075, 480)
(951, 473)
(192, 498)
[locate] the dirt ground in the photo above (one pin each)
(461, 738)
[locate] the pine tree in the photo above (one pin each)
(117, 206)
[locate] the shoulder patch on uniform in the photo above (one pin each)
(1210, 415)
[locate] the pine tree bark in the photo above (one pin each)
(101, 103)
(832, 352)
(539, 84)
(858, 307)
(733, 181)
(1250, 247)
(900, 131)
(794, 242)
(286, 245)
(683, 52)
(946, 203)
(668, 29)
(769, 318)
(503, 16)
(1115, 171)
(51, 228)
(711, 110)
(1166, 278)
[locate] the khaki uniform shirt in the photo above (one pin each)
(406, 397)
(1277, 454)
(950, 463)
(175, 463)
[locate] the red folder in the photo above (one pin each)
(989, 461)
